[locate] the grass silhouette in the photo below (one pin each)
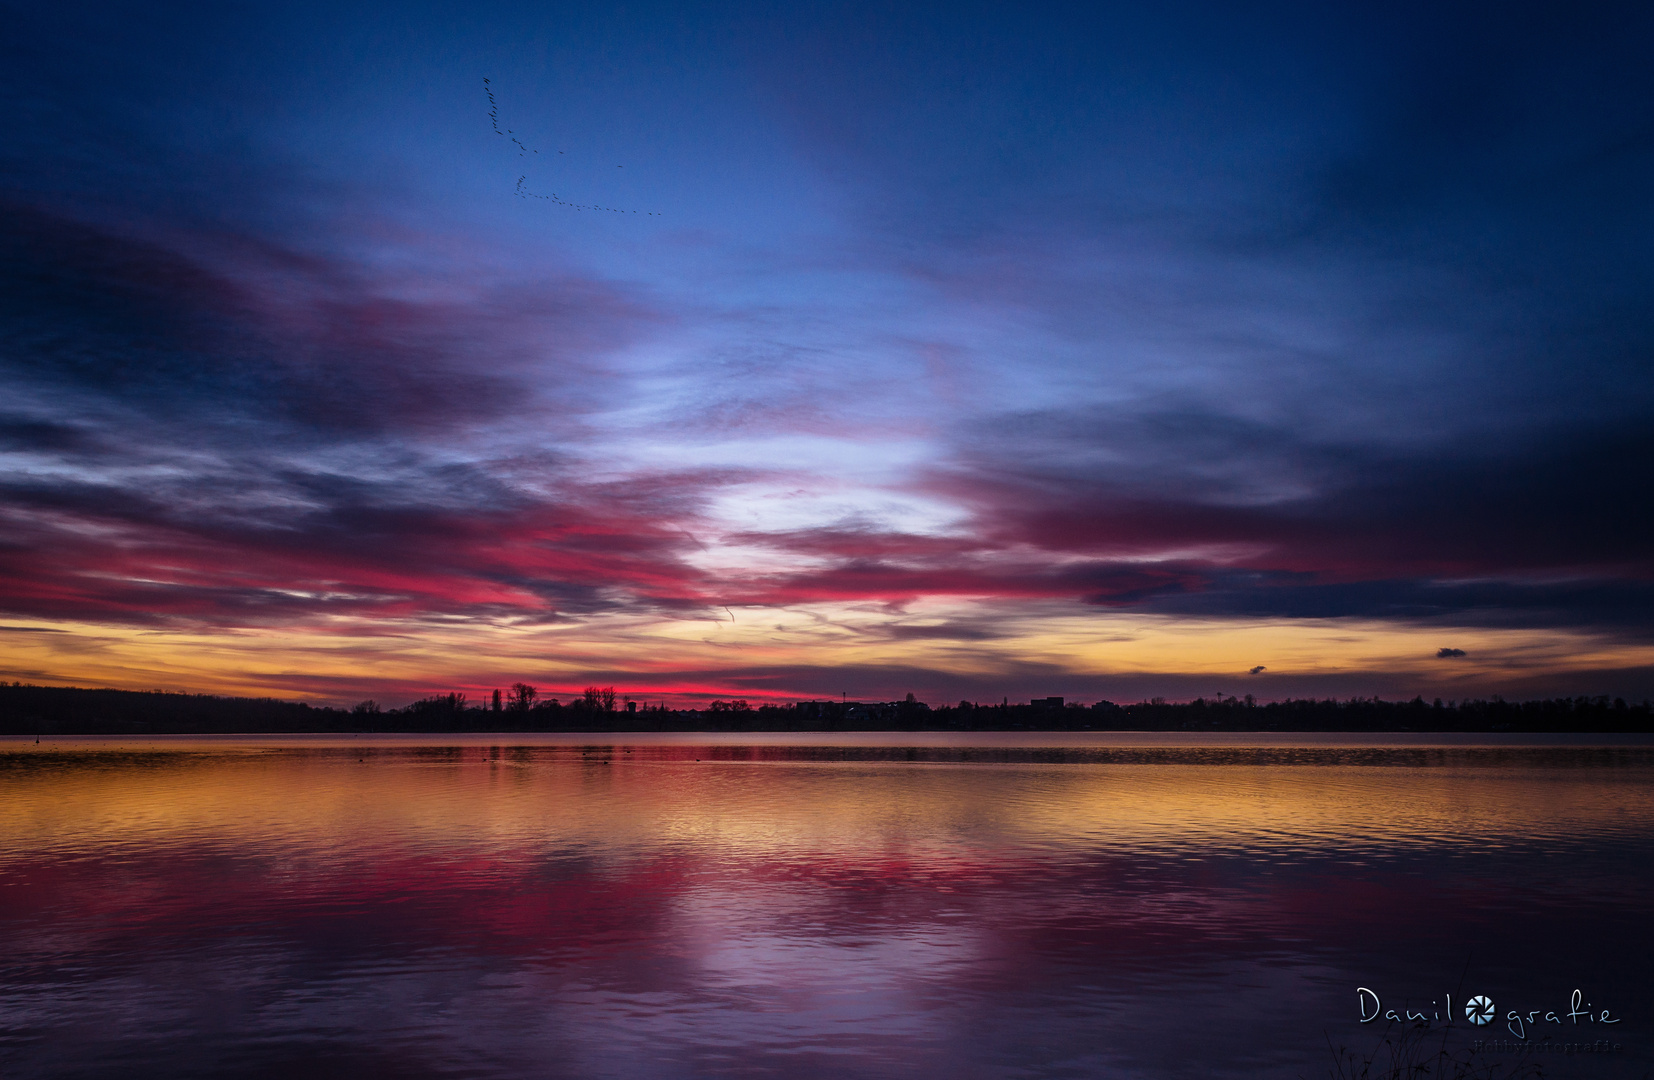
(1407, 1052)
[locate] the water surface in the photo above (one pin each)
(829, 905)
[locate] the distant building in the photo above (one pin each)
(1046, 703)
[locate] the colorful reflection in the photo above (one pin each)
(367, 908)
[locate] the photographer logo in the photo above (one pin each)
(1479, 1011)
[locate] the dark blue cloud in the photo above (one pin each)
(1292, 311)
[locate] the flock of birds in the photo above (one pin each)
(523, 151)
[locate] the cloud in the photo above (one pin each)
(203, 427)
(1446, 653)
(306, 547)
(208, 336)
(1259, 670)
(1279, 322)
(1254, 519)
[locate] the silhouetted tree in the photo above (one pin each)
(522, 697)
(497, 701)
(441, 703)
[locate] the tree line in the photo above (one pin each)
(37, 710)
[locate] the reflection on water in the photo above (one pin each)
(1102, 906)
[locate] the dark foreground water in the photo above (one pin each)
(1115, 906)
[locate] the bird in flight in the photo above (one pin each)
(524, 150)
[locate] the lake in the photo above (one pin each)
(983, 905)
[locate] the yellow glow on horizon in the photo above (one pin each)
(345, 660)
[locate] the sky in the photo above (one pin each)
(803, 350)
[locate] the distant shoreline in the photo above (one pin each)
(881, 740)
(39, 711)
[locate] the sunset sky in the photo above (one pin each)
(784, 351)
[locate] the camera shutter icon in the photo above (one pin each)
(1479, 1010)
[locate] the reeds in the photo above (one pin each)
(1407, 1052)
